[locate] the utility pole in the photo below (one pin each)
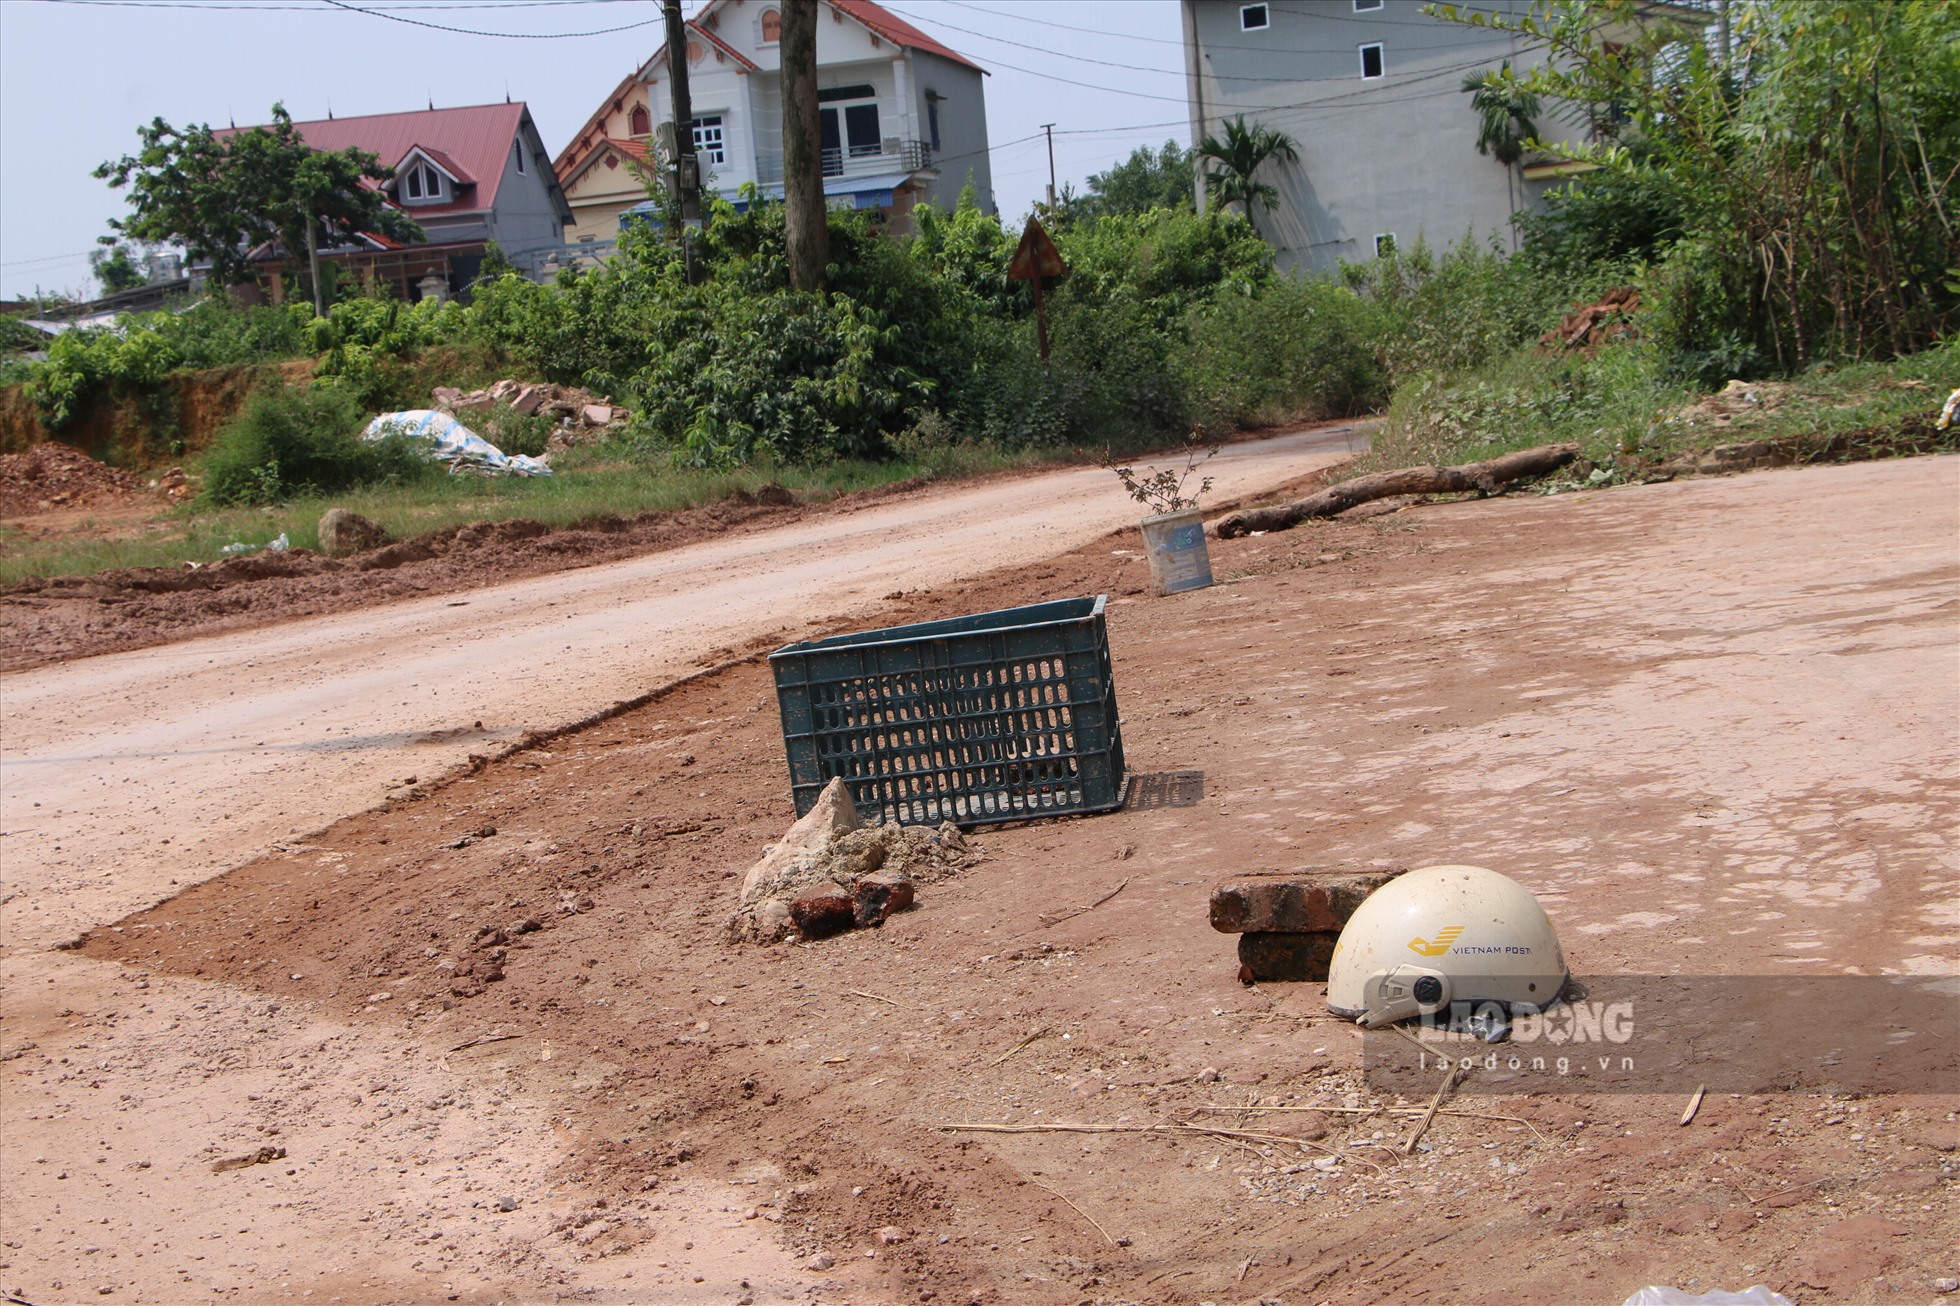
(806, 229)
(687, 169)
(1049, 129)
(313, 266)
(1722, 17)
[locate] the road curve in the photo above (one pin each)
(127, 776)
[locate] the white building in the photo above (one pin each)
(904, 117)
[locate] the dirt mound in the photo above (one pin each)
(53, 476)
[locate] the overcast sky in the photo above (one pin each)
(78, 76)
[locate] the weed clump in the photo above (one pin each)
(293, 443)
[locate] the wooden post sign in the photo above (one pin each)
(1036, 258)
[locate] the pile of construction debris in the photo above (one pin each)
(830, 873)
(1739, 403)
(1590, 327)
(581, 416)
(49, 477)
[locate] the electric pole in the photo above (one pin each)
(687, 169)
(313, 267)
(806, 229)
(1049, 129)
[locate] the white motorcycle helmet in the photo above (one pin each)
(1459, 941)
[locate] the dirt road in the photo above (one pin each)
(132, 773)
(1711, 723)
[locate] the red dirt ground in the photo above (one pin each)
(1708, 722)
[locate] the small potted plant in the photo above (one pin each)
(1174, 533)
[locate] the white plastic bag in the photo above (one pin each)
(453, 443)
(279, 545)
(1755, 1296)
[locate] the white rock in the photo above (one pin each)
(833, 816)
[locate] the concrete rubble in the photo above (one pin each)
(1289, 922)
(830, 872)
(580, 416)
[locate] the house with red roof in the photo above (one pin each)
(904, 117)
(466, 176)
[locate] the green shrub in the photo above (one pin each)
(291, 443)
(591, 327)
(134, 357)
(1467, 306)
(1003, 395)
(512, 431)
(1615, 402)
(16, 337)
(1301, 348)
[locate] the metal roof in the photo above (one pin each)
(896, 30)
(477, 139)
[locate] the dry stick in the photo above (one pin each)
(1694, 1104)
(1058, 917)
(1079, 1211)
(1382, 1110)
(1409, 1148)
(875, 997)
(1247, 1265)
(1017, 1047)
(1486, 477)
(485, 1040)
(1257, 1136)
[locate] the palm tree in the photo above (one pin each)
(1235, 159)
(1505, 111)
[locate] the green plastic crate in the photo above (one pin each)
(998, 717)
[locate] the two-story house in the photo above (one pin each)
(467, 177)
(1371, 91)
(904, 117)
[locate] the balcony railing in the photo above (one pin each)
(893, 154)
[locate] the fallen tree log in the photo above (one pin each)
(1486, 477)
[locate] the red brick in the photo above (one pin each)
(1293, 957)
(1295, 903)
(822, 914)
(879, 895)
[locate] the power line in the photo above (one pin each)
(1430, 24)
(465, 31)
(1131, 67)
(48, 258)
(314, 7)
(938, 159)
(1224, 106)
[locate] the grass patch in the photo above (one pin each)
(592, 483)
(1621, 409)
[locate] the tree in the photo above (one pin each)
(806, 223)
(114, 268)
(1236, 159)
(218, 196)
(1148, 179)
(1504, 112)
(1811, 162)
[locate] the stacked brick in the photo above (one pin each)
(1288, 922)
